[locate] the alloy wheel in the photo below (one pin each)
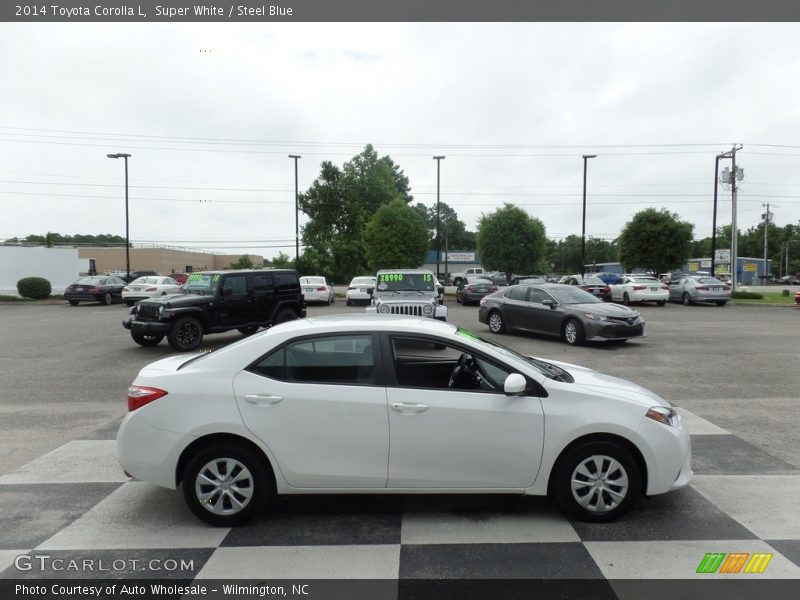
(599, 483)
(224, 486)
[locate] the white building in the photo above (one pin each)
(60, 266)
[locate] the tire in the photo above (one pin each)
(661, 302)
(186, 334)
(285, 315)
(721, 302)
(496, 322)
(458, 299)
(221, 502)
(248, 330)
(573, 333)
(74, 302)
(626, 300)
(332, 300)
(349, 302)
(147, 340)
(686, 299)
(574, 485)
(106, 299)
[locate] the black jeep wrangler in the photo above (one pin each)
(216, 301)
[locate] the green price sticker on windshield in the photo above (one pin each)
(386, 277)
(427, 277)
(194, 277)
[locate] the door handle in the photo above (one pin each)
(407, 407)
(262, 399)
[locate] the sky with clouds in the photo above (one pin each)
(210, 112)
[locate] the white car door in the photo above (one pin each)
(443, 437)
(319, 405)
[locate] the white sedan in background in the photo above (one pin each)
(360, 290)
(316, 289)
(394, 405)
(149, 287)
(639, 288)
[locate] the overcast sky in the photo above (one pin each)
(211, 111)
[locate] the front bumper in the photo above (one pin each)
(146, 327)
(603, 331)
(668, 455)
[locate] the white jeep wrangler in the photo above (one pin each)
(407, 292)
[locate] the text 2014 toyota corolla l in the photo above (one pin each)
(374, 404)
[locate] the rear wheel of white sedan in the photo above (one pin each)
(226, 485)
(597, 481)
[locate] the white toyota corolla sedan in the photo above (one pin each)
(375, 404)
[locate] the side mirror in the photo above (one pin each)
(515, 385)
(370, 291)
(549, 303)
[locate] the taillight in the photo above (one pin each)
(139, 395)
(94, 290)
(664, 287)
(726, 288)
(125, 289)
(152, 289)
(352, 288)
(702, 287)
(470, 289)
(639, 288)
(607, 290)
(493, 288)
(321, 289)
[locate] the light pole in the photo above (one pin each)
(127, 230)
(586, 158)
(296, 214)
(714, 218)
(438, 160)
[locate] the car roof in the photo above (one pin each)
(410, 271)
(239, 271)
(370, 321)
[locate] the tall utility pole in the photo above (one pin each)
(714, 218)
(735, 174)
(296, 214)
(438, 160)
(586, 158)
(127, 229)
(767, 217)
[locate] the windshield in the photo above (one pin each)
(312, 280)
(574, 295)
(201, 283)
(363, 281)
(646, 280)
(92, 280)
(592, 280)
(399, 282)
(541, 367)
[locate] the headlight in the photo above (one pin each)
(384, 309)
(595, 317)
(427, 309)
(160, 310)
(663, 414)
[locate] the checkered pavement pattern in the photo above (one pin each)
(75, 502)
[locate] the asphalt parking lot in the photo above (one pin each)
(64, 372)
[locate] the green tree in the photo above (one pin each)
(655, 240)
(453, 231)
(396, 237)
(243, 262)
(282, 261)
(339, 205)
(510, 240)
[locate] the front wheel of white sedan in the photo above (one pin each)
(597, 482)
(226, 485)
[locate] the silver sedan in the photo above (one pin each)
(690, 289)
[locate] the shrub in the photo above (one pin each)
(747, 296)
(37, 288)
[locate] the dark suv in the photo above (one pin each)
(216, 301)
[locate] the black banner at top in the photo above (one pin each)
(179, 11)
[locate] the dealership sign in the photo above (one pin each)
(722, 256)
